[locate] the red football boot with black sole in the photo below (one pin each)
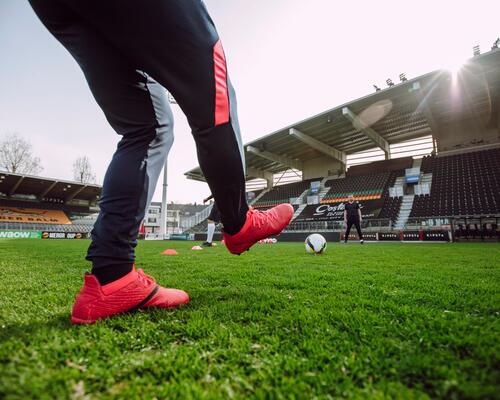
(134, 291)
(259, 225)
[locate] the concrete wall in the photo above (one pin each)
(321, 167)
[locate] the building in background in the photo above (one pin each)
(177, 214)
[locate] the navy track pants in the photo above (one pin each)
(129, 52)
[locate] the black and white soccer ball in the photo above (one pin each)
(315, 244)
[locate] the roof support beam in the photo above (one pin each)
(15, 187)
(47, 191)
(369, 132)
(288, 162)
(74, 193)
(318, 145)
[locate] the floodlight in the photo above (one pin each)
(389, 82)
(476, 51)
(496, 43)
(402, 77)
(377, 89)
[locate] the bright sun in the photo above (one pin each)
(453, 64)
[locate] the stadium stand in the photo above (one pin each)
(396, 164)
(372, 147)
(44, 204)
(462, 185)
(466, 184)
(35, 215)
(253, 194)
(283, 193)
(363, 187)
(366, 181)
(391, 208)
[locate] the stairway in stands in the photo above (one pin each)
(323, 192)
(302, 202)
(199, 217)
(302, 199)
(416, 163)
(329, 178)
(260, 195)
(298, 211)
(426, 179)
(404, 211)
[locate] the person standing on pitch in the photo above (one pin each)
(352, 216)
(212, 220)
(130, 52)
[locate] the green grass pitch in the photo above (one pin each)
(404, 321)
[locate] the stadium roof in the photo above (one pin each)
(47, 188)
(405, 111)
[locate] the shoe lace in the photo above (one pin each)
(145, 278)
(258, 218)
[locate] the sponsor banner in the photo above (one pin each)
(335, 212)
(411, 235)
(153, 236)
(439, 236)
(388, 236)
(7, 234)
(352, 236)
(371, 236)
(181, 236)
(62, 235)
(33, 215)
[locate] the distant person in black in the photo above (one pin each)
(352, 215)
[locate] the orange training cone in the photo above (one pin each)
(169, 252)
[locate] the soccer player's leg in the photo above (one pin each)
(176, 42)
(347, 230)
(136, 108)
(358, 229)
(210, 233)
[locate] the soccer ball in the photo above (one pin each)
(315, 244)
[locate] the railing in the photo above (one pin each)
(367, 225)
(426, 223)
(451, 221)
(197, 218)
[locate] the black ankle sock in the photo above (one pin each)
(109, 273)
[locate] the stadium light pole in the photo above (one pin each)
(163, 211)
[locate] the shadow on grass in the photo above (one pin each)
(59, 322)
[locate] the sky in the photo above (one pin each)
(288, 60)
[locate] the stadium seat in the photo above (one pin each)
(283, 193)
(462, 185)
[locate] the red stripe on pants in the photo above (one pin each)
(221, 95)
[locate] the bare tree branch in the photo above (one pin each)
(82, 170)
(16, 156)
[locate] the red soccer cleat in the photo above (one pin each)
(259, 225)
(134, 291)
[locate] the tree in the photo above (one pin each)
(16, 156)
(82, 170)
